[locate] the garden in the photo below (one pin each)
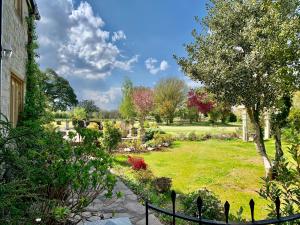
(65, 153)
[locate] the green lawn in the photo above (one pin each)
(202, 128)
(232, 169)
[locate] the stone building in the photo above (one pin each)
(14, 37)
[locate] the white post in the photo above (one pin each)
(267, 125)
(245, 125)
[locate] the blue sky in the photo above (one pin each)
(95, 44)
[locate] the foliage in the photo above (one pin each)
(247, 54)
(137, 163)
(61, 115)
(127, 108)
(162, 184)
(200, 100)
(160, 140)
(212, 207)
(89, 106)
(111, 136)
(232, 117)
(93, 126)
(169, 95)
(59, 92)
(143, 102)
(35, 101)
(79, 113)
(149, 134)
(46, 177)
(294, 119)
(286, 185)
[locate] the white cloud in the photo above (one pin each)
(119, 35)
(73, 41)
(104, 99)
(151, 65)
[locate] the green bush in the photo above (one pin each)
(111, 136)
(294, 119)
(287, 182)
(232, 118)
(46, 177)
(162, 184)
(212, 206)
(192, 136)
(93, 126)
(149, 134)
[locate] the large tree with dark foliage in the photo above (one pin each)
(60, 94)
(247, 54)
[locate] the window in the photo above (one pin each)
(16, 99)
(19, 8)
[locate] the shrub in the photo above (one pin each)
(232, 117)
(162, 184)
(192, 136)
(111, 136)
(93, 126)
(212, 207)
(46, 177)
(294, 119)
(144, 176)
(287, 183)
(160, 140)
(149, 134)
(137, 163)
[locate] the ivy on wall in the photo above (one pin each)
(35, 100)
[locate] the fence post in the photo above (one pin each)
(251, 203)
(173, 197)
(277, 204)
(199, 206)
(147, 213)
(226, 207)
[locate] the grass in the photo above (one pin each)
(202, 128)
(232, 169)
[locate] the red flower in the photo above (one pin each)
(137, 163)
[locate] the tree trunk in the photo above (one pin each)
(278, 146)
(259, 140)
(142, 130)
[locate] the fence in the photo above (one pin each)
(202, 221)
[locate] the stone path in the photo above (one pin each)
(125, 206)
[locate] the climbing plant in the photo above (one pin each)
(35, 104)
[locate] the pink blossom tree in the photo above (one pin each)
(200, 100)
(143, 102)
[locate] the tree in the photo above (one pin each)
(127, 108)
(247, 54)
(89, 106)
(79, 113)
(60, 94)
(279, 120)
(169, 95)
(200, 100)
(143, 100)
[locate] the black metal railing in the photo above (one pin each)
(202, 221)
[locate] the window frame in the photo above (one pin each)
(14, 100)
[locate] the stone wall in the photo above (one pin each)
(14, 35)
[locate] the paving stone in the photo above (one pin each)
(125, 207)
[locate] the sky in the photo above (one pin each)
(96, 44)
